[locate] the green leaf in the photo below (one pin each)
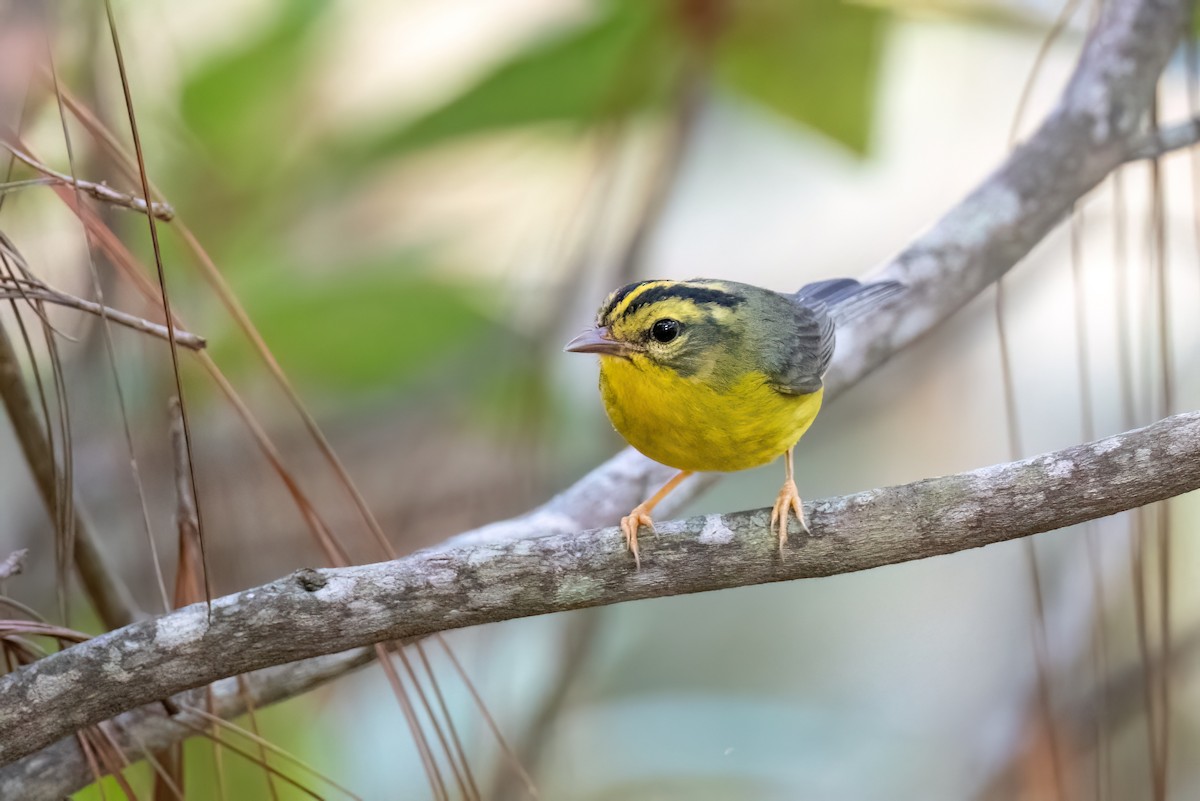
(605, 68)
(357, 328)
(241, 104)
(813, 61)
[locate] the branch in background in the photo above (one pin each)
(315, 612)
(1161, 141)
(1088, 134)
(62, 768)
(1107, 708)
(48, 295)
(1091, 132)
(107, 592)
(1118, 701)
(101, 192)
(13, 186)
(577, 646)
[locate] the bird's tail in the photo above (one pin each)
(846, 298)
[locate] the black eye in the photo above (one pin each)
(664, 330)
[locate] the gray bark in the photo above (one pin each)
(315, 612)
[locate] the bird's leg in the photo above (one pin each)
(640, 516)
(787, 502)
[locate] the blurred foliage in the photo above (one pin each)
(354, 328)
(244, 104)
(249, 109)
(620, 62)
(814, 61)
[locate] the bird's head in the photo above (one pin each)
(681, 325)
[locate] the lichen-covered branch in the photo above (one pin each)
(1097, 121)
(315, 612)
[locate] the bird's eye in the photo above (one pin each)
(664, 330)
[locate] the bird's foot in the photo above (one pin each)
(787, 502)
(640, 516)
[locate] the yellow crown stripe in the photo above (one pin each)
(619, 309)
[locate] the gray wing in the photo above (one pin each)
(818, 308)
(847, 299)
(807, 351)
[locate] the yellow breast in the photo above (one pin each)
(691, 424)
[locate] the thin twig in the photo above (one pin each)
(99, 191)
(189, 579)
(510, 756)
(266, 746)
(58, 298)
(578, 650)
(11, 262)
(164, 296)
(104, 587)
(1108, 706)
(12, 186)
(110, 352)
(148, 729)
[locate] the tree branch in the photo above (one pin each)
(1162, 141)
(315, 612)
(1097, 125)
(1087, 135)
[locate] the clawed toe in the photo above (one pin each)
(629, 527)
(787, 503)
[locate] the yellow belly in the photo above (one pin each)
(689, 424)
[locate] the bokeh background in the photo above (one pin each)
(417, 202)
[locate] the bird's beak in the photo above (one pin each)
(598, 340)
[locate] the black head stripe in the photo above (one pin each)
(692, 292)
(615, 299)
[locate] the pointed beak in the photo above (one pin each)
(598, 340)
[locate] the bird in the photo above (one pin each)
(709, 375)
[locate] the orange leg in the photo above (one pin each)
(640, 516)
(787, 502)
